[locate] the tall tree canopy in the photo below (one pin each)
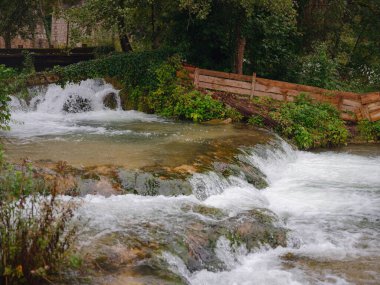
(17, 17)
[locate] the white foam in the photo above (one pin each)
(45, 116)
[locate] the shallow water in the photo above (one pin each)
(131, 139)
(329, 201)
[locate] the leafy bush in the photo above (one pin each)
(309, 124)
(5, 75)
(370, 131)
(132, 69)
(34, 227)
(173, 99)
(318, 69)
(150, 84)
(256, 121)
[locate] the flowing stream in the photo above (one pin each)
(316, 222)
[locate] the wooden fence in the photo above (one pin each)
(353, 106)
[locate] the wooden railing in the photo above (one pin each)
(353, 106)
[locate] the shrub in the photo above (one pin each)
(132, 69)
(173, 99)
(370, 131)
(256, 121)
(34, 227)
(5, 75)
(309, 124)
(318, 69)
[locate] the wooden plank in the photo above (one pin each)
(196, 77)
(348, 117)
(225, 82)
(349, 108)
(228, 89)
(271, 95)
(375, 116)
(307, 89)
(370, 98)
(351, 103)
(189, 68)
(348, 95)
(292, 86)
(373, 106)
(253, 83)
(225, 75)
(365, 112)
(359, 115)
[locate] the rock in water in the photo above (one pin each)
(110, 101)
(77, 104)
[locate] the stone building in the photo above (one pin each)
(59, 36)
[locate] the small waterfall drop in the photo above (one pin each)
(89, 95)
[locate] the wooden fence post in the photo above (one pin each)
(253, 85)
(196, 78)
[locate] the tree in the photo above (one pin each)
(109, 14)
(240, 13)
(17, 17)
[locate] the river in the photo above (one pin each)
(326, 203)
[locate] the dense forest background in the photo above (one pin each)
(328, 43)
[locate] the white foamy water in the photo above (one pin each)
(45, 115)
(329, 201)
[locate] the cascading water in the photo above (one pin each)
(328, 201)
(317, 221)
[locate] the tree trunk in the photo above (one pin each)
(45, 23)
(239, 55)
(153, 23)
(8, 40)
(123, 36)
(239, 50)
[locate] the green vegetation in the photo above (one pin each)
(35, 231)
(370, 131)
(5, 75)
(150, 83)
(256, 121)
(309, 124)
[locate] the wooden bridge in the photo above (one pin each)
(45, 58)
(353, 106)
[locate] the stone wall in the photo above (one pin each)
(39, 40)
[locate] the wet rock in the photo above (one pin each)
(77, 104)
(252, 229)
(215, 122)
(97, 187)
(146, 184)
(35, 104)
(110, 101)
(244, 170)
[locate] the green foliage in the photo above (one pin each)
(28, 64)
(171, 99)
(34, 227)
(17, 17)
(150, 84)
(309, 124)
(370, 131)
(318, 69)
(132, 69)
(6, 74)
(256, 121)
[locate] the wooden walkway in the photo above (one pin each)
(46, 58)
(353, 106)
